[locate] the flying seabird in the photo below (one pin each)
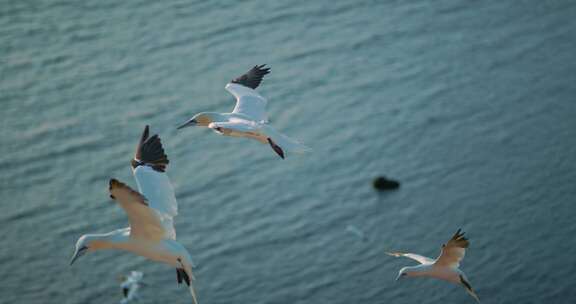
(357, 232)
(150, 214)
(445, 267)
(249, 118)
(130, 286)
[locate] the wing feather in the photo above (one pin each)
(453, 252)
(156, 187)
(421, 259)
(149, 166)
(150, 152)
(248, 102)
(144, 222)
(252, 78)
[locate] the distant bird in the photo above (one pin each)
(383, 183)
(150, 214)
(445, 267)
(357, 232)
(130, 286)
(249, 118)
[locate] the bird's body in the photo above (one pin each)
(445, 267)
(248, 118)
(430, 270)
(237, 125)
(165, 251)
(150, 213)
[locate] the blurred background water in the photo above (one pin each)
(470, 104)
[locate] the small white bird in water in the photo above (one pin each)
(445, 267)
(150, 214)
(130, 286)
(249, 118)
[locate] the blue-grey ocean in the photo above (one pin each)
(471, 105)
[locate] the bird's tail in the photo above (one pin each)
(468, 288)
(193, 293)
(191, 284)
(185, 274)
(282, 143)
(473, 294)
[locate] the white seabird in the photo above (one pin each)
(130, 286)
(445, 267)
(150, 214)
(249, 118)
(357, 232)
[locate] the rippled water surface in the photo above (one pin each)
(470, 104)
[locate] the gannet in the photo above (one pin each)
(249, 118)
(130, 286)
(150, 214)
(357, 232)
(445, 267)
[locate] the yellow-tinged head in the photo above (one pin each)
(202, 120)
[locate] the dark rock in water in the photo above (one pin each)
(383, 183)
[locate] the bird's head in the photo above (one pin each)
(82, 247)
(201, 120)
(86, 243)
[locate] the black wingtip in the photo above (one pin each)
(458, 233)
(178, 276)
(111, 184)
(276, 148)
(263, 68)
(112, 181)
(465, 283)
(150, 152)
(253, 77)
(181, 275)
(145, 134)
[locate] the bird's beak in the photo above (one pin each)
(398, 277)
(80, 252)
(189, 123)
